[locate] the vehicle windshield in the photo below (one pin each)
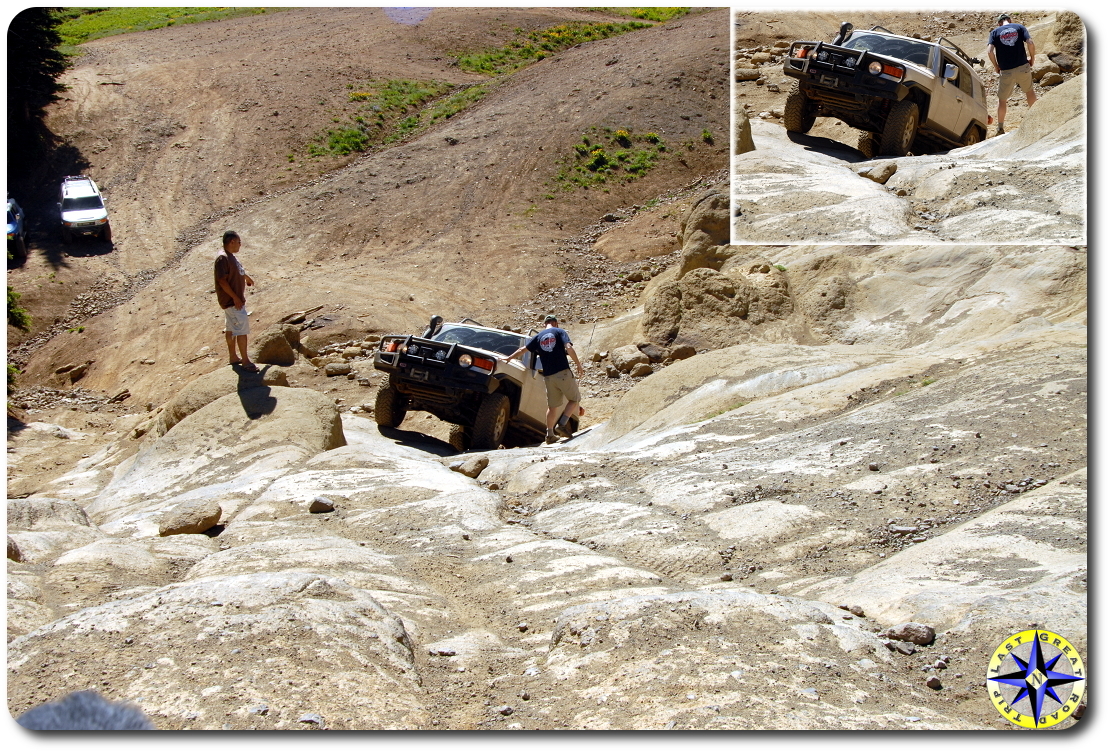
(909, 50)
(77, 203)
(496, 342)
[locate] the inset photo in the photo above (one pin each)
(909, 127)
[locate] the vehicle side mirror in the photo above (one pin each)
(950, 71)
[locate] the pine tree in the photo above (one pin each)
(34, 67)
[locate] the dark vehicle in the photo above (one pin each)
(17, 231)
(452, 371)
(903, 93)
(82, 209)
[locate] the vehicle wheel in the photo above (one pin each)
(106, 233)
(460, 438)
(798, 115)
(67, 237)
(491, 422)
(866, 144)
(20, 248)
(973, 135)
(900, 129)
(390, 406)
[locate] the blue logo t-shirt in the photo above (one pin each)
(550, 345)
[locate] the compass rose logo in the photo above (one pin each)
(1035, 679)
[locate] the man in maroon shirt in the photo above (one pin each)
(231, 282)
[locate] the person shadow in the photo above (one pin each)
(254, 394)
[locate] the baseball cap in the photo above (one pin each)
(550, 318)
(1003, 17)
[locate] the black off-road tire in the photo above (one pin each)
(390, 406)
(973, 135)
(798, 115)
(866, 144)
(900, 129)
(491, 422)
(459, 438)
(106, 233)
(19, 253)
(67, 236)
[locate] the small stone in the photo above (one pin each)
(260, 709)
(811, 693)
(522, 627)
(933, 682)
(940, 664)
(508, 558)
(857, 610)
(872, 466)
(311, 719)
(911, 632)
(726, 577)
(525, 696)
(466, 537)
(321, 504)
(505, 710)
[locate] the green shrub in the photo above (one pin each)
(17, 315)
(382, 112)
(534, 46)
(13, 372)
(605, 155)
(660, 15)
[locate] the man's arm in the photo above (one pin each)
(994, 60)
(1032, 49)
(514, 354)
(227, 289)
(574, 354)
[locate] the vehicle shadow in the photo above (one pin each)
(418, 441)
(828, 147)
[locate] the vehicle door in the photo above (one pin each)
(533, 391)
(948, 111)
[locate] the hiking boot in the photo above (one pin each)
(550, 438)
(1001, 130)
(563, 429)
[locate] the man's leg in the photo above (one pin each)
(241, 341)
(1001, 113)
(230, 347)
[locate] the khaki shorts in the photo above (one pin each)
(1021, 76)
(559, 386)
(236, 321)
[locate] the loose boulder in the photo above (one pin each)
(194, 516)
(276, 345)
(910, 632)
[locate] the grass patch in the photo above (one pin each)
(605, 155)
(382, 112)
(660, 15)
(740, 404)
(780, 267)
(13, 374)
(81, 25)
(534, 46)
(927, 382)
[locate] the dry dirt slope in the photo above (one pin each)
(446, 217)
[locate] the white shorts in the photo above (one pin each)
(236, 321)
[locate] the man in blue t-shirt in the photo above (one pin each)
(552, 345)
(1011, 51)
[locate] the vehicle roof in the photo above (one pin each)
(78, 185)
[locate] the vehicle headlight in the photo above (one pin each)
(822, 56)
(465, 360)
(875, 68)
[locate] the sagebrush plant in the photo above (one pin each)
(13, 373)
(533, 46)
(605, 155)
